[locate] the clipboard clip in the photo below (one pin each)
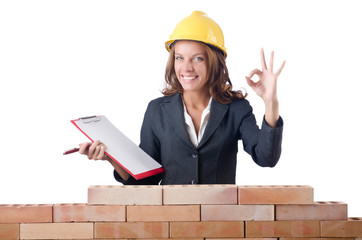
(90, 119)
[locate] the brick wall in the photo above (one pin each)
(194, 212)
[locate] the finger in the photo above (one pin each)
(96, 152)
(280, 69)
(255, 71)
(101, 154)
(83, 147)
(271, 61)
(92, 148)
(250, 82)
(262, 58)
(94, 145)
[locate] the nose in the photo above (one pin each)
(188, 66)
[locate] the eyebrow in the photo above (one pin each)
(192, 55)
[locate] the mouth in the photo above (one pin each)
(189, 78)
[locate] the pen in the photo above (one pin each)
(71, 151)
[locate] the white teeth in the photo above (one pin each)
(189, 78)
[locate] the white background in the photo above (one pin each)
(60, 60)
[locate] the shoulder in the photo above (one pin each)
(240, 105)
(162, 108)
(235, 111)
(157, 102)
(240, 101)
(165, 104)
(239, 109)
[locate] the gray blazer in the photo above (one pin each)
(164, 137)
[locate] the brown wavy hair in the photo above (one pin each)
(220, 86)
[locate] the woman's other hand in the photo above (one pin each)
(94, 151)
(266, 87)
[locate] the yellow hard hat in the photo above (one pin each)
(199, 27)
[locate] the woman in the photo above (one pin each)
(193, 131)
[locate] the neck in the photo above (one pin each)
(196, 100)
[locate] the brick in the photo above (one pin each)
(316, 238)
(237, 212)
(282, 229)
(132, 230)
(163, 213)
(243, 239)
(349, 228)
(316, 211)
(26, 213)
(275, 194)
(89, 213)
(125, 195)
(170, 239)
(221, 229)
(199, 194)
(9, 231)
(56, 231)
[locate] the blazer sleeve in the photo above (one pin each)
(265, 144)
(149, 144)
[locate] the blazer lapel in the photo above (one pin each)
(217, 113)
(173, 106)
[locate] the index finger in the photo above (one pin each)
(83, 147)
(92, 149)
(255, 71)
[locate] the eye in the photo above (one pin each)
(199, 59)
(178, 58)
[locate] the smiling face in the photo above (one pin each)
(191, 66)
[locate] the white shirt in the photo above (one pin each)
(196, 138)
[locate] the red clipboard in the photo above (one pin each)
(119, 147)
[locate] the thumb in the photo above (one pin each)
(250, 82)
